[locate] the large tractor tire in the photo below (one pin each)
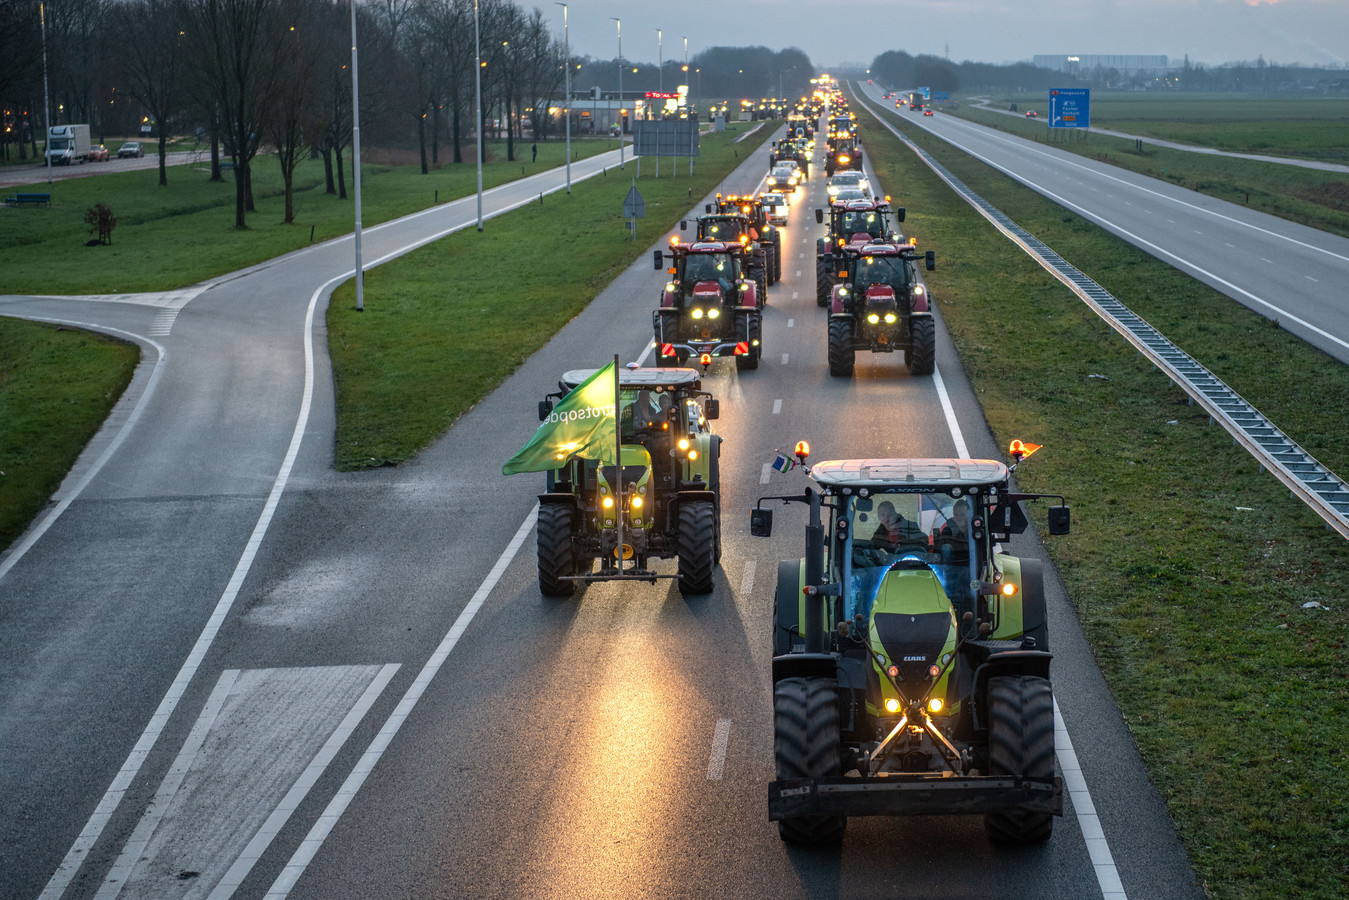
(669, 330)
(557, 553)
(761, 280)
(697, 546)
(769, 257)
(922, 353)
(842, 355)
(1020, 742)
(787, 607)
(777, 254)
(714, 485)
(1034, 614)
(824, 281)
(806, 745)
(750, 329)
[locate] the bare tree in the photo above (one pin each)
(304, 29)
(21, 73)
(151, 35)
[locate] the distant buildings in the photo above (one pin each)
(1084, 63)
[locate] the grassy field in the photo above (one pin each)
(417, 357)
(56, 387)
(1307, 128)
(168, 237)
(1190, 570)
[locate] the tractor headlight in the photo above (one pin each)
(608, 502)
(636, 502)
(873, 318)
(713, 313)
(889, 318)
(892, 705)
(934, 705)
(697, 314)
(683, 443)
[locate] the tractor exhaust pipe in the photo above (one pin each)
(814, 624)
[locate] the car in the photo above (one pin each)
(927, 112)
(849, 179)
(783, 178)
(131, 149)
(777, 206)
(848, 194)
(98, 153)
(1031, 114)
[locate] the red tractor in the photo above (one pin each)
(881, 304)
(854, 223)
(709, 308)
(769, 235)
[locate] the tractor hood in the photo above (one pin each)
(912, 620)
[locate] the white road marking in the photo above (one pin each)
(1229, 244)
(347, 792)
(784, 359)
(717, 763)
(1309, 278)
(796, 295)
(1270, 261)
(763, 476)
(777, 407)
(802, 256)
(747, 580)
(163, 323)
(962, 451)
(791, 322)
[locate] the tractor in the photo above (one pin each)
(670, 497)
(881, 304)
(769, 235)
(709, 308)
(911, 651)
(759, 251)
(853, 223)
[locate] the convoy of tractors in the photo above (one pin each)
(910, 665)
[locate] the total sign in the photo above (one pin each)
(1069, 107)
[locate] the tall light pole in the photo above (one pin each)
(660, 57)
(46, 96)
(620, 91)
(477, 72)
(566, 106)
(355, 161)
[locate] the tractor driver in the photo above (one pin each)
(707, 267)
(858, 222)
(895, 531)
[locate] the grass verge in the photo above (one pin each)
(182, 233)
(1308, 196)
(56, 388)
(444, 325)
(1190, 570)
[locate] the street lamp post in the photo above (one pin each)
(660, 57)
(355, 161)
(566, 106)
(620, 91)
(477, 73)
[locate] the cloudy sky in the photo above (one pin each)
(1315, 32)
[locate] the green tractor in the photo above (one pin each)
(670, 498)
(911, 651)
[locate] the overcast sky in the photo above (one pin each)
(1315, 32)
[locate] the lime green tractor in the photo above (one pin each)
(669, 504)
(911, 651)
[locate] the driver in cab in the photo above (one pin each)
(895, 531)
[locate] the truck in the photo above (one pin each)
(67, 144)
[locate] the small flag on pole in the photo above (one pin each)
(784, 463)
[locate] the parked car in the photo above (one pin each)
(130, 149)
(98, 153)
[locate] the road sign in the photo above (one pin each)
(634, 207)
(941, 96)
(1069, 107)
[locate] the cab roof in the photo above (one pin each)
(656, 376)
(907, 474)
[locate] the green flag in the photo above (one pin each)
(582, 424)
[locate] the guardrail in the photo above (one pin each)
(1306, 479)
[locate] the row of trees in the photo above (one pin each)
(249, 74)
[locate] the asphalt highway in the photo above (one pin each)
(368, 697)
(1287, 272)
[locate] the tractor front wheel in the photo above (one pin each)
(922, 352)
(841, 353)
(1020, 743)
(697, 546)
(824, 281)
(806, 745)
(557, 554)
(769, 257)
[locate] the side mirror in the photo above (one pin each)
(712, 408)
(545, 407)
(1058, 519)
(683, 224)
(899, 214)
(659, 259)
(761, 522)
(707, 207)
(930, 259)
(819, 216)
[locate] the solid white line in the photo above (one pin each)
(55, 513)
(716, 764)
(231, 880)
(962, 451)
(747, 579)
(763, 476)
(345, 794)
(116, 878)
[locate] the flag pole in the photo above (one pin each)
(618, 468)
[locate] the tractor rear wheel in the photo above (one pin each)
(749, 329)
(697, 546)
(668, 333)
(922, 352)
(824, 281)
(841, 353)
(1020, 742)
(769, 257)
(777, 254)
(557, 553)
(806, 745)
(714, 485)
(761, 279)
